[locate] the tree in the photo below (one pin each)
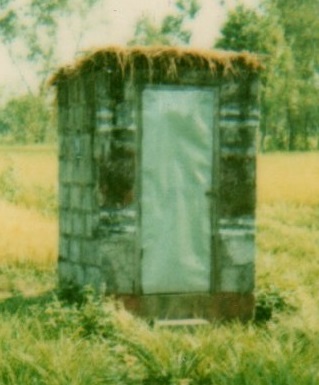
(26, 119)
(171, 30)
(30, 33)
(300, 23)
(288, 91)
(245, 30)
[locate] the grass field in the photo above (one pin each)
(43, 341)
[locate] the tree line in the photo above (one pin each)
(284, 32)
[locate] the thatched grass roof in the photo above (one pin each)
(168, 60)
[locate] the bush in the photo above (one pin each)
(28, 119)
(271, 300)
(91, 317)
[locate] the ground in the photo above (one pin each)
(46, 341)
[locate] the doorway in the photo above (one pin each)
(177, 153)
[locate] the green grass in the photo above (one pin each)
(45, 341)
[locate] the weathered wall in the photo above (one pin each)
(115, 159)
(99, 186)
(97, 231)
(238, 121)
(78, 261)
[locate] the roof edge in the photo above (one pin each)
(168, 57)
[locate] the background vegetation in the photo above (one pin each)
(288, 43)
(44, 340)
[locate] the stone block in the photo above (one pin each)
(79, 275)
(254, 89)
(66, 147)
(63, 171)
(63, 95)
(64, 196)
(237, 185)
(238, 134)
(90, 255)
(78, 223)
(63, 119)
(81, 90)
(102, 144)
(118, 264)
(93, 278)
(75, 249)
(64, 246)
(237, 247)
(237, 279)
(72, 118)
(65, 219)
(88, 198)
(87, 172)
(87, 147)
(102, 85)
(76, 197)
(66, 170)
(73, 85)
(66, 273)
(89, 225)
(104, 119)
(229, 92)
(229, 111)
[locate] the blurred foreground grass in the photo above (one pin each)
(43, 341)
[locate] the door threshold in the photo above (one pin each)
(181, 322)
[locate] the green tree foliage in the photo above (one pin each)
(28, 120)
(289, 92)
(300, 23)
(244, 30)
(171, 31)
(31, 35)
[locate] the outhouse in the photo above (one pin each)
(157, 187)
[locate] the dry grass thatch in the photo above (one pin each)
(168, 60)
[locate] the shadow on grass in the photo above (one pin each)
(22, 304)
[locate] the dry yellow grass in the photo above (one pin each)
(289, 178)
(288, 195)
(50, 346)
(27, 237)
(33, 165)
(288, 230)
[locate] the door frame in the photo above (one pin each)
(214, 193)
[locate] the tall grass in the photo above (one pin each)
(44, 341)
(289, 178)
(28, 177)
(288, 230)
(28, 206)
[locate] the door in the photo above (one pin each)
(176, 170)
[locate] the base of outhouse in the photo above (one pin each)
(216, 307)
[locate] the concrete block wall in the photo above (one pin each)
(78, 262)
(97, 239)
(99, 139)
(238, 123)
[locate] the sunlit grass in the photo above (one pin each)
(33, 165)
(288, 177)
(28, 180)
(288, 231)
(26, 236)
(44, 342)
